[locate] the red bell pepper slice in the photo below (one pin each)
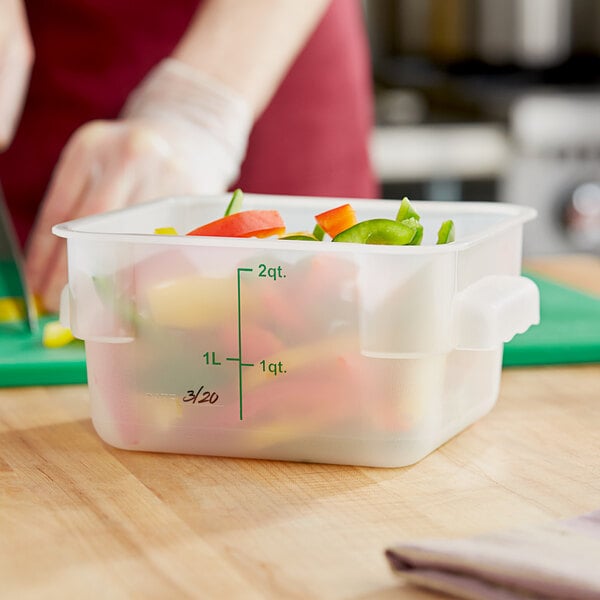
(337, 219)
(248, 223)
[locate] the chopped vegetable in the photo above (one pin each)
(165, 231)
(318, 232)
(416, 225)
(249, 223)
(446, 232)
(299, 235)
(14, 309)
(407, 215)
(235, 204)
(407, 211)
(337, 219)
(55, 335)
(416, 241)
(377, 231)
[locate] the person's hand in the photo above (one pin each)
(16, 59)
(181, 132)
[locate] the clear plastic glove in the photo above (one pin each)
(181, 133)
(16, 59)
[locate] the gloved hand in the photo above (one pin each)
(180, 132)
(16, 59)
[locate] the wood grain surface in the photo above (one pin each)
(79, 519)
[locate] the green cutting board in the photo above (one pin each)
(569, 329)
(24, 360)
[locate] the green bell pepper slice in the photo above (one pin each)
(235, 204)
(308, 237)
(319, 232)
(407, 211)
(414, 224)
(446, 232)
(377, 231)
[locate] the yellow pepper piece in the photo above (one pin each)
(166, 231)
(55, 335)
(13, 309)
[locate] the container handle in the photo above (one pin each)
(493, 310)
(69, 318)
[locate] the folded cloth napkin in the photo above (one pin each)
(557, 560)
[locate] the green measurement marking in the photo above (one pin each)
(239, 360)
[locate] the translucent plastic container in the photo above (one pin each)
(294, 350)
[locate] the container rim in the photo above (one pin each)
(89, 228)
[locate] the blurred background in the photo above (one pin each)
(492, 100)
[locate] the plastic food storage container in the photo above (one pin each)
(294, 350)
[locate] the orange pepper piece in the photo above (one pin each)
(336, 220)
(248, 223)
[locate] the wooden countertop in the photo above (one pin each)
(79, 519)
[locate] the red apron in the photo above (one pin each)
(312, 139)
